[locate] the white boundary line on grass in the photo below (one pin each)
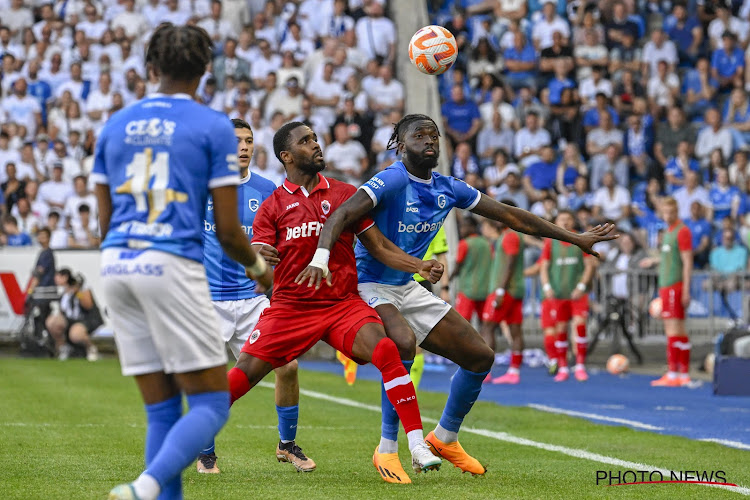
(503, 436)
(594, 416)
(726, 442)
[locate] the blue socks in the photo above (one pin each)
(188, 435)
(465, 389)
(389, 426)
(160, 418)
(288, 416)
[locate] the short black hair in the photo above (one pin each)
(84, 208)
(45, 229)
(281, 138)
(180, 52)
(399, 129)
(240, 123)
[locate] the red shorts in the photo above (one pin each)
(556, 311)
(510, 310)
(671, 302)
(286, 331)
(466, 307)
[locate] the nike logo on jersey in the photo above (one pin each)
(410, 203)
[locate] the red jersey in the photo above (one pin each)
(291, 221)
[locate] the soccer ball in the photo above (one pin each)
(655, 308)
(433, 50)
(617, 364)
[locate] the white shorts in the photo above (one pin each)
(237, 319)
(161, 312)
(421, 309)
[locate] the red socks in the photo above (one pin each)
(682, 343)
(238, 384)
(516, 358)
(397, 383)
(549, 346)
(673, 354)
(582, 344)
(562, 349)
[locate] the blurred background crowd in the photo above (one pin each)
(600, 107)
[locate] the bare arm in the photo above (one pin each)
(394, 257)
(233, 239)
(104, 200)
(527, 223)
(349, 212)
(687, 273)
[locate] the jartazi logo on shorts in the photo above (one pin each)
(254, 336)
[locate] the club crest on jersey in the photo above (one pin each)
(254, 204)
(441, 200)
(325, 205)
(254, 336)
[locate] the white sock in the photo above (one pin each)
(416, 438)
(580, 367)
(671, 375)
(388, 446)
(513, 371)
(445, 435)
(146, 487)
(283, 441)
(564, 369)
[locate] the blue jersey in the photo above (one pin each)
(722, 200)
(226, 278)
(160, 157)
(409, 211)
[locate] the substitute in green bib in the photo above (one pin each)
(473, 262)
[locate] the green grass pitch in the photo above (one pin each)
(73, 430)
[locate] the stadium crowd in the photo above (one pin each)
(598, 107)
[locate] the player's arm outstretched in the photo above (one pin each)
(528, 223)
(233, 239)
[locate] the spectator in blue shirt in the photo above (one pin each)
(736, 116)
(678, 165)
(728, 258)
(462, 118)
(699, 89)
(521, 62)
(639, 147)
(12, 236)
(724, 197)
(559, 82)
(686, 33)
(728, 64)
(700, 230)
(540, 177)
(644, 203)
(38, 89)
(591, 117)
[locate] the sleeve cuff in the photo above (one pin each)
(475, 202)
(227, 180)
(366, 228)
(99, 178)
(260, 243)
(371, 194)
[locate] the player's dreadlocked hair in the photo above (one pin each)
(180, 52)
(240, 123)
(400, 128)
(281, 138)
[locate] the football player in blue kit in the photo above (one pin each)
(410, 203)
(156, 162)
(239, 302)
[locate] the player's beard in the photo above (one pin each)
(313, 165)
(419, 160)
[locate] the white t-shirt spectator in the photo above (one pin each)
(18, 19)
(74, 201)
(261, 66)
(134, 23)
(93, 30)
(375, 35)
(22, 111)
(177, 17)
(506, 110)
(716, 28)
(55, 192)
(154, 15)
(386, 94)
(685, 199)
(9, 155)
(653, 54)
(602, 138)
(661, 91)
(590, 53)
(708, 140)
(532, 140)
(543, 30)
(589, 89)
(324, 90)
(347, 156)
(222, 27)
(612, 204)
(58, 239)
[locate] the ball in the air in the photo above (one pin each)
(617, 364)
(433, 50)
(655, 308)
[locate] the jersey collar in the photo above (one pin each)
(245, 179)
(155, 95)
(292, 188)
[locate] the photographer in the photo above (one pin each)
(78, 318)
